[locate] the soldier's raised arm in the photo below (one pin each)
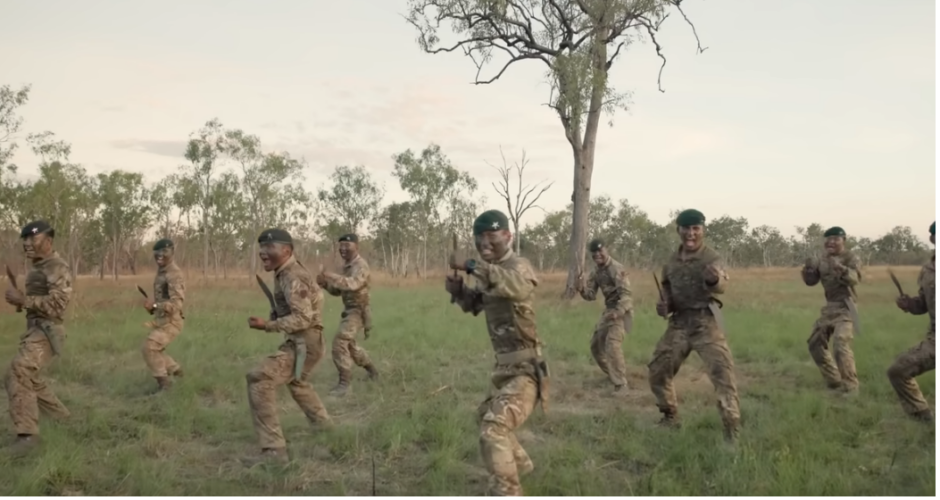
(177, 292)
(353, 283)
(60, 293)
(469, 299)
(810, 272)
(918, 305)
(515, 282)
(297, 293)
(589, 292)
(849, 273)
(622, 280)
(716, 278)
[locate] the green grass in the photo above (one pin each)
(418, 425)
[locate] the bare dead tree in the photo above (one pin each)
(522, 203)
(577, 40)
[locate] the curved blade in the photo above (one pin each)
(267, 292)
(142, 292)
(896, 282)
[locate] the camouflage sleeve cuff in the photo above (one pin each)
(32, 302)
(271, 326)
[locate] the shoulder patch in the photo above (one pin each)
(303, 293)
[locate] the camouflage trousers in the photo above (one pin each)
(838, 374)
(346, 352)
(918, 360)
(607, 346)
(695, 331)
(26, 389)
(154, 347)
(508, 406)
(276, 370)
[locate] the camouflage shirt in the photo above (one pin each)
(48, 289)
(298, 301)
(504, 292)
(612, 280)
(838, 285)
(353, 287)
(683, 280)
(169, 291)
(926, 300)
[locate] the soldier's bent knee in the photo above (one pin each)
(20, 368)
(895, 372)
(491, 432)
(150, 345)
(253, 377)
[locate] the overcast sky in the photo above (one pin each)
(800, 111)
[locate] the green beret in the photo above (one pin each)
(275, 236)
(690, 217)
(162, 244)
(834, 231)
(596, 244)
(933, 228)
(491, 220)
(37, 227)
(349, 237)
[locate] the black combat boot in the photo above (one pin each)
(163, 384)
(670, 419)
(343, 386)
(925, 416)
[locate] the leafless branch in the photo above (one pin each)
(698, 42)
(545, 31)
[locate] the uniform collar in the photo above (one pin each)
(682, 255)
(509, 254)
(287, 263)
(51, 256)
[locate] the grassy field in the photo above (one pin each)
(417, 423)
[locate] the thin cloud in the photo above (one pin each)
(173, 149)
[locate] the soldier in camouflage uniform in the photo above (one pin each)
(691, 280)
(48, 292)
(840, 273)
(923, 357)
(169, 292)
(297, 316)
(611, 279)
(353, 287)
(505, 285)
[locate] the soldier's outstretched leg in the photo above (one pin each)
(153, 350)
(347, 353)
(275, 370)
(818, 344)
(303, 392)
(598, 344)
(712, 347)
(916, 361)
(842, 335)
(670, 352)
(27, 390)
(613, 350)
(500, 415)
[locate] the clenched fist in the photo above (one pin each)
(712, 274)
(662, 309)
(904, 303)
(453, 284)
(457, 262)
